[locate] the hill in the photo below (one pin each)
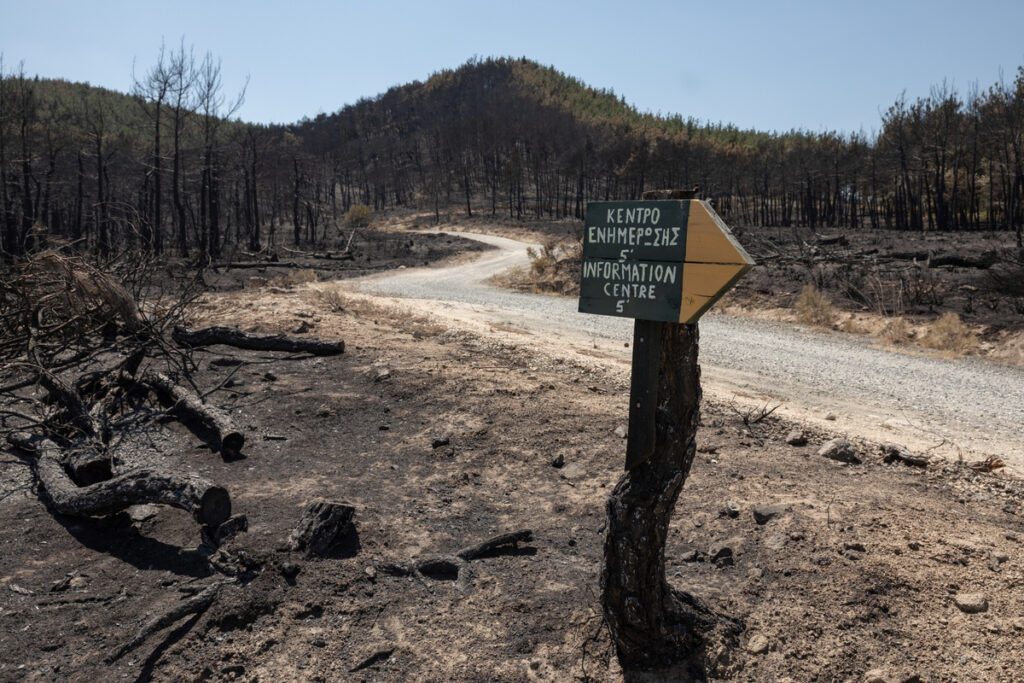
(502, 136)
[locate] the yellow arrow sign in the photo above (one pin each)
(666, 260)
(715, 261)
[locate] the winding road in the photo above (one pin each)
(966, 408)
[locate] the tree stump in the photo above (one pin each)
(322, 525)
(651, 624)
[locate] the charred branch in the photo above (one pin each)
(72, 402)
(189, 404)
(194, 605)
(232, 336)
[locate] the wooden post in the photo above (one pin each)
(643, 391)
(651, 624)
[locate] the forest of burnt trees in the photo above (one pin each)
(170, 171)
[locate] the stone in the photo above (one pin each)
(573, 471)
(766, 513)
(1000, 556)
(971, 603)
(690, 556)
(382, 375)
(914, 545)
(229, 528)
(731, 509)
(831, 417)
(796, 438)
(720, 551)
(840, 450)
(758, 644)
(620, 432)
(854, 545)
(877, 676)
(895, 453)
(440, 441)
(852, 555)
(558, 461)
(140, 513)
(777, 541)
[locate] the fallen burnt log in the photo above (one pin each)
(982, 262)
(258, 264)
(325, 256)
(191, 405)
(825, 240)
(207, 503)
(86, 466)
(232, 336)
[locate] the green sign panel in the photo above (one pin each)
(667, 260)
(633, 254)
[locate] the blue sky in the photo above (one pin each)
(767, 65)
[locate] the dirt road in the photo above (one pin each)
(955, 408)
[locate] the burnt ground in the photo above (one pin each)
(888, 273)
(372, 250)
(858, 571)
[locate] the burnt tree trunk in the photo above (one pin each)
(651, 624)
(207, 503)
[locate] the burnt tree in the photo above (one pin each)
(651, 623)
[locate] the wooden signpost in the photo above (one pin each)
(663, 261)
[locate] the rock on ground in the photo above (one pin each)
(757, 645)
(971, 603)
(841, 450)
(766, 513)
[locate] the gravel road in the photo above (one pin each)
(958, 408)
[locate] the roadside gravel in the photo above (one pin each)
(957, 408)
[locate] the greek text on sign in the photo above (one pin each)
(666, 260)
